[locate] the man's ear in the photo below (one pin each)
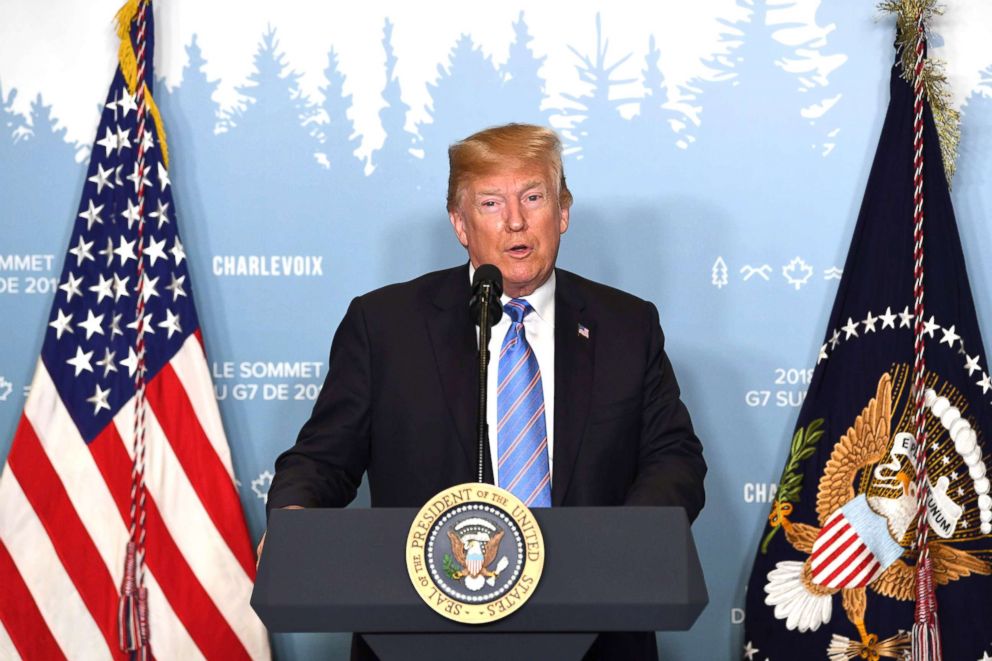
(458, 224)
(563, 221)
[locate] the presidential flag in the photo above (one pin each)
(835, 574)
(121, 531)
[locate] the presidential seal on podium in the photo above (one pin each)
(475, 553)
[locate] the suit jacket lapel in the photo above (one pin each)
(454, 341)
(574, 353)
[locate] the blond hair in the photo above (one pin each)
(505, 147)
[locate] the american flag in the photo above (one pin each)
(69, 487)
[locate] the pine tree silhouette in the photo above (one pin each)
(11, 127)
(339, 138)
(655, 149)
(276, 118)
(523, 87)
(765, 99)
(270, 169)
(849, 126)
(45, 133)
(466, 98)
(41, 154)
(601, 133)
(654, 106)
(190, 109)
(393, 161)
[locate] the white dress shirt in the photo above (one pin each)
(539, 326)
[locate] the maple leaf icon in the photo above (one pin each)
(797, 272)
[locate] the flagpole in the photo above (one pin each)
(133, 612)
(926, 630)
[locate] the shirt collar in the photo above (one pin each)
(542, 299)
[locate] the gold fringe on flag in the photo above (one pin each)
(129, 67)
(945, 116)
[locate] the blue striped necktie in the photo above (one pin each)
(521, 432)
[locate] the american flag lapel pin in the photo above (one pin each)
(583, 331)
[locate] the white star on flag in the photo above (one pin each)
(160, 214)
(134, 178)
(126, 102)
(115, 325)
(71, 287)
(82, 251)
(131, 362)
(177, 252)
(149, 288)
(146, 142)
(61, 324)
(930, 326)
(108, 251)
(148, 325)
(109, 142)
(102, 288)
(123, 142)
(131, 214)
(950, 337)
(888, 319)
(869, 323)
(120, 287)
(176, 286)
(163, 176)
(125, 251)
(93, 324)
(99, 399)
(851, 329)
(905, 318)
(154, 250)
(81, 361)
(171, 323)
(101, 179)
(92, 215)
(107, 362)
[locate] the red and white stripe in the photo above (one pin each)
(64, 517)
(840, 558)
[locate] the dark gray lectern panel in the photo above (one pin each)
(606, 569)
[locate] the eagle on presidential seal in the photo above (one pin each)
(475, 545)
(862, 536)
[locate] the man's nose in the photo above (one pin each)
(515, 219)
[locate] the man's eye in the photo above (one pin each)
(489, 203)
(534, 197)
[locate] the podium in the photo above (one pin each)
(605, 569)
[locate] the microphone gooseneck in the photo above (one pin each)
(486, 310)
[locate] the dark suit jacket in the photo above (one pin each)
(400, 402)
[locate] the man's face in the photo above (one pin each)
(512, 220)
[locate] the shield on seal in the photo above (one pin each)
(853, 547)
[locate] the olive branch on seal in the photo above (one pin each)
(450, 566)
(791, 484)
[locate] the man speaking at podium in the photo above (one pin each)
(583, 406)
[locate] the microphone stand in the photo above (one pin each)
(484, 334)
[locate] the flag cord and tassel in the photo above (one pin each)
(133, 609)
(926, 631)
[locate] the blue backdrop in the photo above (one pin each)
(720, 199)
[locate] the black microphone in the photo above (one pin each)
(486, 310)
(487, 286)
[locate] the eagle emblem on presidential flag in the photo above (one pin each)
(866, 506)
